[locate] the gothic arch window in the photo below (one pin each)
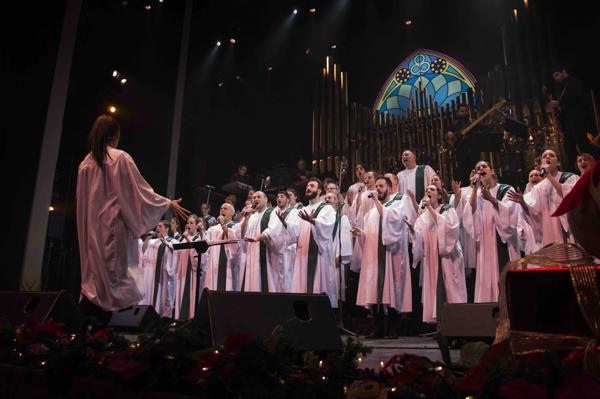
(436, 74)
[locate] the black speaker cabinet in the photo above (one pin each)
(60, 306)
(135, 319)
(470, 319)
(307, 320)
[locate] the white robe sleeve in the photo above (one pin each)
(447, 231)
(323, 228)
(346, 236)
(429, 173)
(506, 218)
(393, 227)
(274, 233)
(141, 208)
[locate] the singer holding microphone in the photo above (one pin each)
(546, 196)
(490, 218)
(436, 244)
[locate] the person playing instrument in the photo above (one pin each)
(115, 205)
(574, 114)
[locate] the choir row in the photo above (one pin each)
(400, 232)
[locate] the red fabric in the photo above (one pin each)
(579, 192)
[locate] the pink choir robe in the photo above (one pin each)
(529, 231)
(359, 211)
(437, 240)
(407, 180)
(543, 199)
(322, 230)
(115, 205)
(186, 272)
(396, 290)
(467, 243)
(288, 254)
(250, 273)
(156, 293)
(231, 252)
(482, 226)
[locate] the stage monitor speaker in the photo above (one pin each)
(470, 319)
(307, 320)
(60, 306)
(135, 319)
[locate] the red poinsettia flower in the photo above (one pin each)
(49, 327)
(579, 386)
(120, 363)
(474, 380)
(494, 354)
(35, 350)
(101, 335)
(520, 388)
(573, 359)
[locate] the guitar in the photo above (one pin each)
(467, 129)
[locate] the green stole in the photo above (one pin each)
(158, 269)
(564, 177)
(184, 314)
(440, 296)
(381, 253)
(313, 252)
(338, 217)
(419, 179)
(222, 271)
(285, 213)
(502, 248)
(264, 280)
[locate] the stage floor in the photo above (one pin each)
(384, 349)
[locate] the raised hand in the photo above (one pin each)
(456, 187)
(178, 210)
(516, 196)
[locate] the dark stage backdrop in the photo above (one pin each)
(263, 119)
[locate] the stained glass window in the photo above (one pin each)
(434, 73)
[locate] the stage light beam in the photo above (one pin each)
(123, 82)
(218, 44)
(295, 12)
(115, 73)
(112, 109)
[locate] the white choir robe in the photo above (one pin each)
(232, 252)
(482, 226)
(115, 206)
(187, 259)
(359, 211)
(528, 231)
(467, 243)
(325, 265)
(288, 254)
(275, 240)
(159, 297)
(435, 241)
(542, 200)
(396, 290)
(407, 180)
(342, 248)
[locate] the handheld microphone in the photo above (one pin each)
(370, 195)
(543, 170)
(476, 181)
(424, 204)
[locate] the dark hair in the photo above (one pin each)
(388, 181)
(559, 67)
(293, 190)
(167, 225)
(328, 180)
(364, 166)
(319, 183)
(104, 131)
(283, 192)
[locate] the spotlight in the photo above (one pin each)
(295, 11)
(232, 40)
(408, 22)
(308, 51)
(334, 45)
(148, 7)
(312, 10)
(115, 73)
(238, 77)
(269, 68)
(221, 83)
(123, 82)
(112, 109)
(161, 1)
(218, 44)
(50, 208)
